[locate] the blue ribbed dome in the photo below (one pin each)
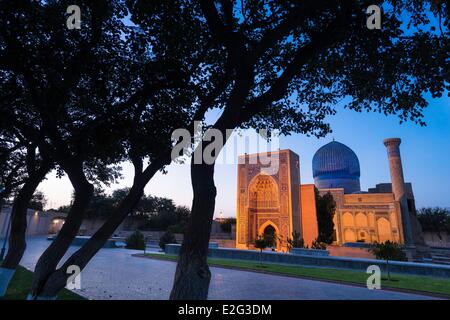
(336, 166)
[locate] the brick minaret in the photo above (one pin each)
(398, 185)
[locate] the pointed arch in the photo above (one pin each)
(384, 229)
(263, 192)
(271, 224)
(265, 225)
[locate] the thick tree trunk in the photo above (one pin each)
(192, 275)
(49, 260)
(17, 242)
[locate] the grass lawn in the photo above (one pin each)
(20, 287)
(409, 282)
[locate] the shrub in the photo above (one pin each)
(318, 245)
(177, 228)
(261, 243)
(388, 251)
(167, 238)
(296, 241)
(226, 224)
(435, 220)
(136, 241)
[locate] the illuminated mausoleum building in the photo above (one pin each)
(276, 202)
(270, 199)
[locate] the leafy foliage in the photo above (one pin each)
(167, 238)
(38, 201)
(389, 251)
(261, 243)
(266, 240)
(12, 164)
(296, 241)
(435, 220)
(136, 241)
(292, 62)
(226, 224)
(325, 208)
(87, 98)
(318, 245)
(154, 213)
(55, 65)
(167, 217)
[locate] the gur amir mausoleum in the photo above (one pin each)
(277, 202)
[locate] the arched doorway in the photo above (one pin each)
(349, 235)
(270, 230)
(384, 230)
(270, 235)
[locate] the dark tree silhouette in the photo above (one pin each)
(292, 62)
(109, 86)
(261, 243)
(85, 98)
(325, 208)
(25, 168)
(435, 220)
(12, 164)
(58, 82)
(389, 251)
(38, 201)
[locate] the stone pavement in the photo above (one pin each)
(115, 274)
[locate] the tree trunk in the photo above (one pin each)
(16, 242)
(192, 275)
(388, 271)
(49, 260)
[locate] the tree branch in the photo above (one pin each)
(214, 22)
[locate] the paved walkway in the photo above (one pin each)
(115, 274)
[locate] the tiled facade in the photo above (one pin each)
(368, 217)
(268, 199)
(277, 200)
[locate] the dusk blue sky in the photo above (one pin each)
(425, 152)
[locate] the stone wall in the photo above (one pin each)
(90, 226)
(330, 262)
(432, 239)
(224, 243)
(308, 219)
(341, 251)
(38, 222)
